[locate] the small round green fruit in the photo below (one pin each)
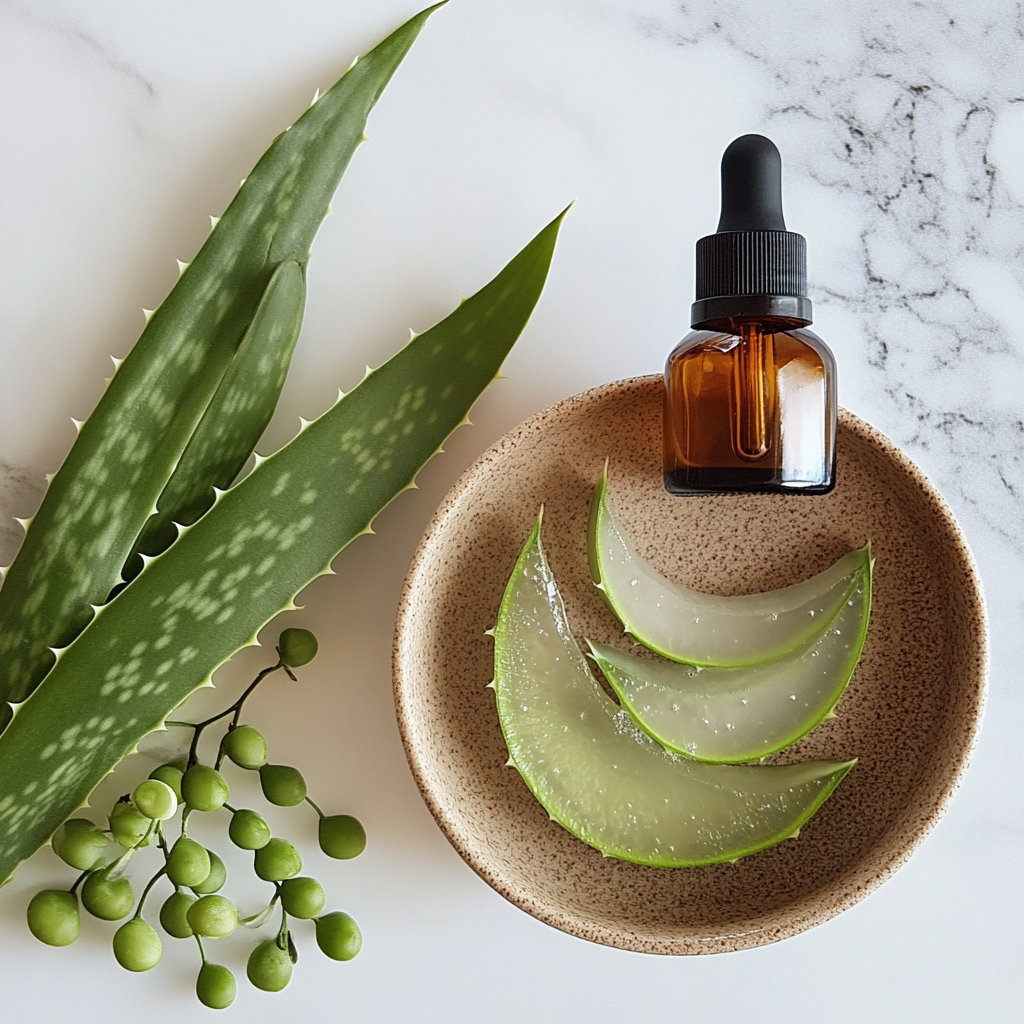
(137, 947)
(129, 825)
(108, 899)
(215, 986)
(213, 917)
(342, 836)
(249, 830)
(246, 747)
(188, 863)
(170, 774)
(174, 915)
(297, 647)
(53, 917)
(79, 843)
(215, 880)
(277, 861)
(338, 936)
(269, 967)
(204, 788)
(155, 799)
(282, 785)
(302, 897)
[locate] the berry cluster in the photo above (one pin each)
(195, 909)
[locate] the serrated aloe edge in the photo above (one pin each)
(99, 501)
(209, 594)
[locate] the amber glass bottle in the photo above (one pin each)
(750, 393)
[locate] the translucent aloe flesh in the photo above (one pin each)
(236, 417)
(108, 486)
(600, 776)
(708, 629)
(730, 715)
(208, 595)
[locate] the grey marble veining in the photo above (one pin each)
(893, 109)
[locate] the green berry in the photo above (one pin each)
(204, 788)
(338, 936)
(297, 647)
(213, 917)
(246, 747)
(53, 917)
(170, 774)
(282, 784)
(269, 967)
(155, 799)
(129, 825)
(215, 880)
(137, 947)
(342, 836)
(302, 897)
(79, 843)
(277, 861)
(249, 830)
(215, 986)
(174, 915)
(188, 863)
(108, 899)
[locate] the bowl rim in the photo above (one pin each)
(798, 918)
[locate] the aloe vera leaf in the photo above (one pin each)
(234, 420)
(107, 488)
(208, 595)
(709, 630)
(731, 715)
(600, 776)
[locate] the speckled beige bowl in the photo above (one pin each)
(909, 715)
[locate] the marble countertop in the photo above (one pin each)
(901, 124)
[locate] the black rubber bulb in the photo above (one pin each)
(752, 186)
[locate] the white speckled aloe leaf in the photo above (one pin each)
(235, 419)
(105, 491)
(208, 595)
(731, 715)
(597, 774)
(709, 629)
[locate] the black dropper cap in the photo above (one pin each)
(752, 266)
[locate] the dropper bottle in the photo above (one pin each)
(750, 393)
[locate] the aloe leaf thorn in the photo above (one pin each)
(99, 501)
(206, 596)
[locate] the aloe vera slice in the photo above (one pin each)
(730, 715)
(708, 629)
(209, 594)
(235, 419)
(600, 776)
(107, 488)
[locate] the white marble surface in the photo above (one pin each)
(902, 128)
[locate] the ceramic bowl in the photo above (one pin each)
(909, 715)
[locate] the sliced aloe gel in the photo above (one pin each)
(600, 776)
(729, 715)
(707, 629)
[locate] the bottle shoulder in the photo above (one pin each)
(794, 341)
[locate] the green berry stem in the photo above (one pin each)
(228, 807)
(261, 915)
(145, 892)
(202, 952)
(235, 708)
(315, 808)
(80, 879)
